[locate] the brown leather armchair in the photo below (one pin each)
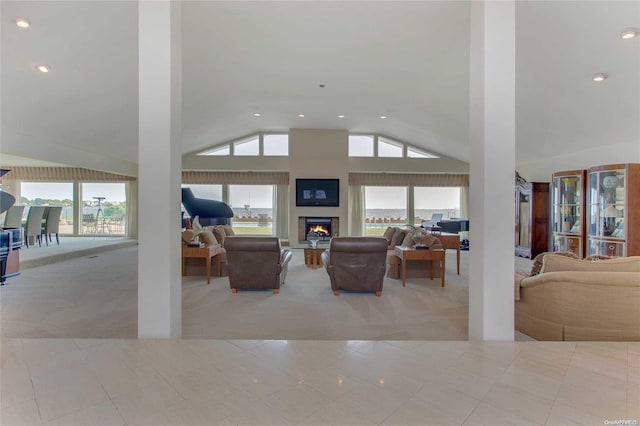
(256, 263)
(356, 263)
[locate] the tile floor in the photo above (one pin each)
(240, 382)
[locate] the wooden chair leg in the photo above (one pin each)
(276, 290)
(336, 293)
(234, 290)
(378, 293)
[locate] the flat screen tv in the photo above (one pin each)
(318, 192)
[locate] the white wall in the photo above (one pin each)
(318, 154)
(541, 170)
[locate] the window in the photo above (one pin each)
(435, 200)
(218, 151)
(104, 209)
(275, 145)
(253, 209)
(389, 148)
(360, 146)
(418, 153)
(249, 146)
(50, 194)
(384, 206)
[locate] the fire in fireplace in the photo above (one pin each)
(321, 226)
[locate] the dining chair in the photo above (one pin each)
(51, 224)
(13, 217)
(33, 225)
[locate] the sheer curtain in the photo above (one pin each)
(464, 209)
(282, 211)
(132, 209)
(356, 211)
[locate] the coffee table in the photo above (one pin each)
(409, 253)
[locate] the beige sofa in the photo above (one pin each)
(573, 299)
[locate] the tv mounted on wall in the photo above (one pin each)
(318, 192)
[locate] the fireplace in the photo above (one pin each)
(324, 227)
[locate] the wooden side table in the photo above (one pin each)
(206, 253)
(313, 257)
(408, 253)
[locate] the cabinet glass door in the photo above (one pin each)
(524, 217)
(606, 210)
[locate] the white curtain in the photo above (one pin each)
(356, 211)
(282, 211)
(132, 209)
(464, 201)
(464, 209)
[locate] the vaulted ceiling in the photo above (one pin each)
(408, 61)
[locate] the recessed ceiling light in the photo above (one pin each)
(42, 68)
(599, 77)
(629, 33)
(383, 116)
(341, 116)
(300, 115)
(256, 114)
(22, 23)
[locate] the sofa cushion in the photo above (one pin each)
(398, 237)
(554, 263)
(536, 267)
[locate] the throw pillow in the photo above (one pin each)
(596, 257)
(431, 241)
(552, 263)
(388, 233)
(398, 237)
(208, 238)
(219, 233)
(195, 225)
(188, 236)
(228, 230)
(408, 239)
(536, 267)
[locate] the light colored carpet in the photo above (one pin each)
(96, 297)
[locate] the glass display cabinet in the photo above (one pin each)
(567, 211)
(613, 208)
(532, 218)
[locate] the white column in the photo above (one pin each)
(160, 103)
(492, 170)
